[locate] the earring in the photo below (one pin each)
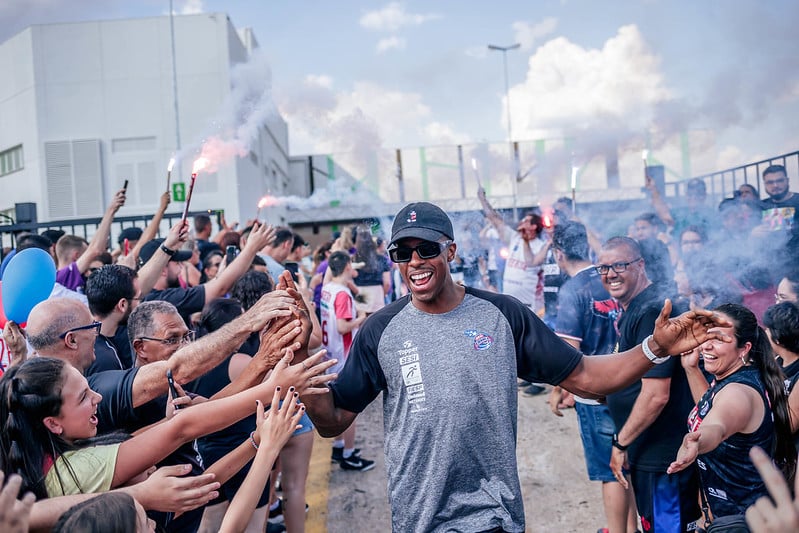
(744, 361)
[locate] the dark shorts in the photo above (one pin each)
(596, 432)
(667, 503)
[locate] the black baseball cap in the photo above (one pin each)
(131, 234)
(149, 249)
(421, 220)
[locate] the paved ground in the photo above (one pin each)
(557, 494)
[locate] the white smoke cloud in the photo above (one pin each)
(390, 43)
(528, 34)
(324, 120)
(243, 112)
(392, 17)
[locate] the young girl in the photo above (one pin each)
(48, 416)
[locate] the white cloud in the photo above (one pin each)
(367, 117)
(526, 34)
(192, 7)
(320, 80)
(570, 89)
(390, 43)
(392, 17)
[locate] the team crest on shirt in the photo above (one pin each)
(482, 341)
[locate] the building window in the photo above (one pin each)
(11, 160)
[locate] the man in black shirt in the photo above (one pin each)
(193, 299)
(63, 328)
(650, 415)
(112, 292)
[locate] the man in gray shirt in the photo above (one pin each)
(446, 358)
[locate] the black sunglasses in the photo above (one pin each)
(94, 325)
(425, 250)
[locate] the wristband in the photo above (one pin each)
(617, 444)
(650, 354)
(167, 251)
(252, 440)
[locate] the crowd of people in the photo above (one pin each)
(177, 382)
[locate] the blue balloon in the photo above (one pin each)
(27, 280)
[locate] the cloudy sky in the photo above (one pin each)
(405, 74)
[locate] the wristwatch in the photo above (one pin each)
(617, 444)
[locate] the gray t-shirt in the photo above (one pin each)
(450, 405)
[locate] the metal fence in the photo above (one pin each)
(86, 227)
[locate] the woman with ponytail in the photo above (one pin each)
(48, 425)
(745, 405)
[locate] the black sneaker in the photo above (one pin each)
(276, 514)
(338, 454)
(356, 462)
(533, 390)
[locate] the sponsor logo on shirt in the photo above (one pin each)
(482, 341)
(412, 376)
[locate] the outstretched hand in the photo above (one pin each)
(687, 453)
(681, 334)
(276, 426)
(307, 376)
(300, 312)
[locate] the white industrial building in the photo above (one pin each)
(85, 106)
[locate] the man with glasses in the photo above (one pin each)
(60, 327)
(649, 414)
(446, 358)
(113, 293)
(778, 233)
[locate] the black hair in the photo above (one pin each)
(337, 262)
(762, 357)
(699, 230)
(201, 222)
(107, 286)
(571, 238)
(31, 240)
(206, 261)
(110, 512)
(219, 312)
(365, 251)
(53, 234)
(282, 235)
(29, 393)
(249, 288)
(299, 242)
(782, 321)
(653, 220)
(773, 169)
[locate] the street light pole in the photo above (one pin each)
(514, 170)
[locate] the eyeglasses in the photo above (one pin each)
(618, 268)
(425, 250)
(94, 325)
(185, 339)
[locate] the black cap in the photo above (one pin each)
(149, 249)
(421, 220)
(131, 234)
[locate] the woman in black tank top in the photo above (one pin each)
(745, 405)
